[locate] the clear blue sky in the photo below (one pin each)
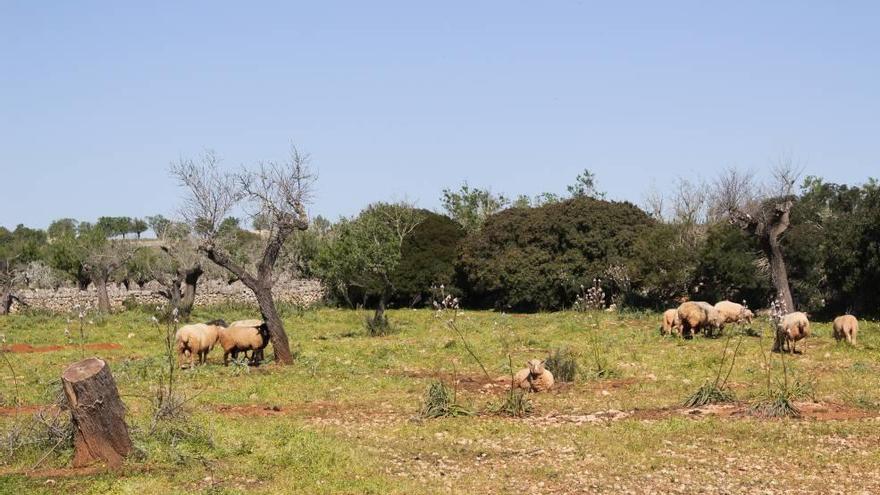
(401, 99)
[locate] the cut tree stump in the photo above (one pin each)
(97, 413)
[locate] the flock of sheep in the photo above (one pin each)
(238, 337)
(689, 318)
(696, 316)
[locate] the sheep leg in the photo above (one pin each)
(225, 358)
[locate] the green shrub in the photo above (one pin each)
(536, 258)
(427, 259)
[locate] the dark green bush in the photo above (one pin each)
(428, 259)
(537, 258)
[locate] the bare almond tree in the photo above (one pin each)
(689, 210)
(277, 192)
(763, 212)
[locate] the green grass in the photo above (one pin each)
(346, 417)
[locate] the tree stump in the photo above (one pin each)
(97, 413)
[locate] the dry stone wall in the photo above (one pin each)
(208, 293)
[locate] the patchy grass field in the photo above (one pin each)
(345, 417)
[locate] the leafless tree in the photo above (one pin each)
(654, 202)
(689, 210)
(277, 192)
(763, 212)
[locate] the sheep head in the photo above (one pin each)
(536, 366)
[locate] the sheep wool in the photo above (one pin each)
(534, 377)
(671, 322)
(790, 329)
(196, 340)
(846, 327)
(236, 339)
(698, 315)
(733, 312)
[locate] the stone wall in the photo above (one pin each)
(208, 293)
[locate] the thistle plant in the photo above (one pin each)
(590, 298)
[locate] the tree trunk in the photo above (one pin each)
(103, 298)
(5, 302)
(97, 412)
(190, 281)
(778, 273)
(277, 336)
(380, 309)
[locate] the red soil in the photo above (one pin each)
(27, 348)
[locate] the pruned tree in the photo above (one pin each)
(276, 191)
(763, 212)
(180, 269)
(102, 262)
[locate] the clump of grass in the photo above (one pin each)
(709, 393)
(377, 326)
(562, 363)
(516, 404)
(777, 400)
(440, 402)
(716, 391)
(776, 404)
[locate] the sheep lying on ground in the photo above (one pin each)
(791, 328)
(846, 327)
(197, 339)
(733, 312)
(671, 323)
(534, 378)
(236, 339)
(697, 315)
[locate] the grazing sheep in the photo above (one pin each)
(235, 339)
(791, 328)
(671, 323)
(846, 327)
(733, 312)
(534, 378)
(697, 315)
(197, 339)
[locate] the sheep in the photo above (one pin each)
(534, 377)
(247, 323)
(250, 323)
(791, 328)
(846, 327)
(671, 323)
(734, 313)
(697, 315)
(197, 339)
(235, 339)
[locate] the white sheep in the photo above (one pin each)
(699, 315)
(790, 329)
(197, 339)
(734, 312)
(846, 327)
(534, 377)
(235, 339)
(671, 323)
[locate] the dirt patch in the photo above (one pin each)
(19, 410)
(27, 348)
(252, 410)
(817, 411)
